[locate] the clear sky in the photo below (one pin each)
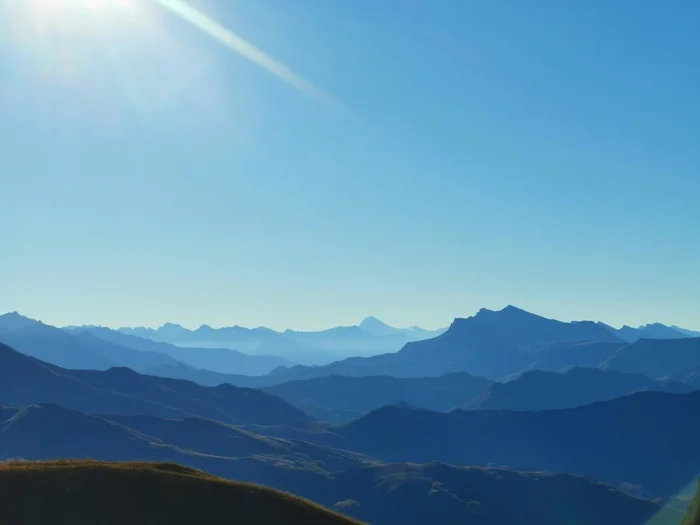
(411, 160)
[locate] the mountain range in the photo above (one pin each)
(383, 494)
(25, 381)
(500, 345)
(647, 439)
(644, 439)
(99, 348)
(221, 359)
(496, 345)
(489, 422)
(370, 337)
(541, 390)
(339, 399)
(650, 331)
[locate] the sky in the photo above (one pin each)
(306, 163)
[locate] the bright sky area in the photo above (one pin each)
(306, 163)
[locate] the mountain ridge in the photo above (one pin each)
(388, 494)
(26, 381)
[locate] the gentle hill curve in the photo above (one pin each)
(25, 380)
(542, 390)
(87, 492)
(339, 399)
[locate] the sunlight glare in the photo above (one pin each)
(112, 54)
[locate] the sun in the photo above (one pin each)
(48, 21)
(75, 15)
(58, 7)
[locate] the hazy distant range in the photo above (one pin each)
(370, 337)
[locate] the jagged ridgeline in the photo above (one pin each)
(91, 493)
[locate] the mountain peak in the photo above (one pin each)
(373, 321)
(167, 326)
(374, 326)
(16, 321)
(509, 310)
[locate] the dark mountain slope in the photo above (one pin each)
(558, 357)
(658, 358)
(218, 439)
(140, 493)
(495, 344)
(384, 494)
(647, 439)
(420, 494)
(339, 398)
(25, 380)
(49, 431)
(541, 390)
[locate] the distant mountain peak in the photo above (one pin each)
(167, 326)
(374, 326)
(16, 321)
(372, 321)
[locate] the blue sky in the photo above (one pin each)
(462, 155)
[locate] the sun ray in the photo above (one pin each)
(244, 48)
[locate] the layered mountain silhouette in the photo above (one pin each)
(51, 344)
(81, 350)
(489, 344)
(220, 359)
(341, 398)
(25, 380)
(646, 439)
(668, 358)
(650, 331)
(689, 333)
(319, 347)
(95, 492)
(504, 344)
(99, 348)
(549, 412)
(382, 494)
(420, 494)
(374, 326)
(540, 390)
(209, 378)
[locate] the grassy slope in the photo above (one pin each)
(88, 492)
(693, 515)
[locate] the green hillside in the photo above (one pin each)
(693, 515)
(89, 492)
